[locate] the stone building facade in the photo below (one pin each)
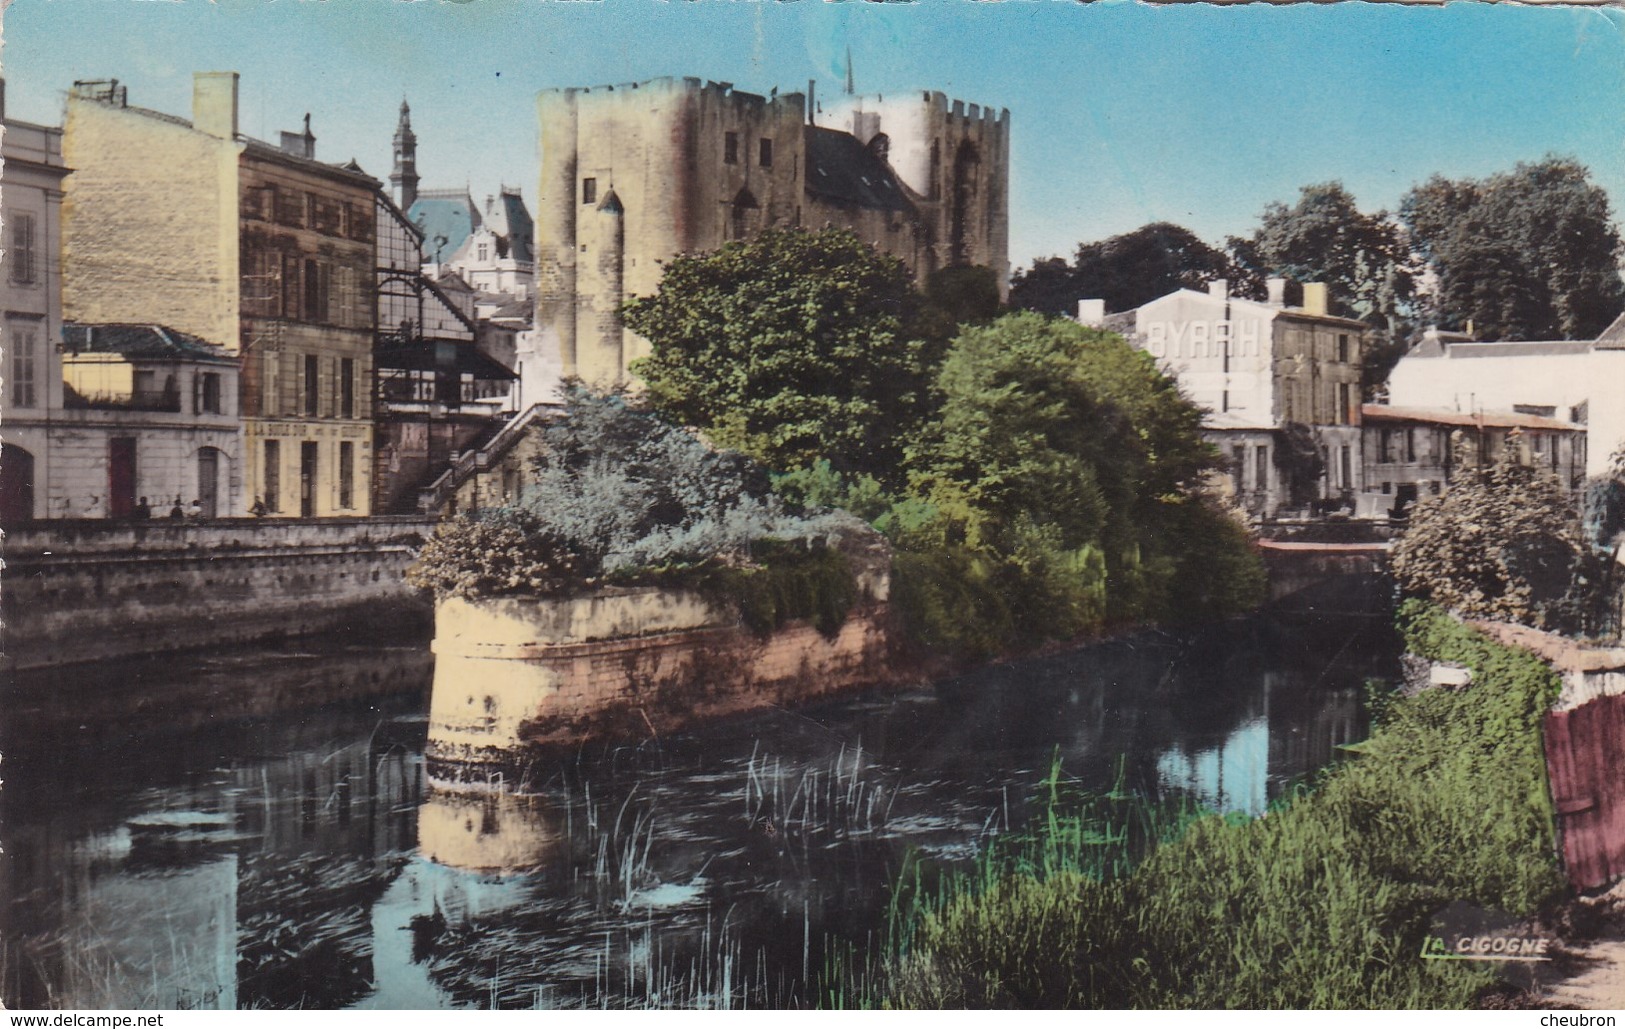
(259, 248)
(30, 318)
(1410, 452)
(633, 175)
(1281, 386)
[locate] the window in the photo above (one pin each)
(310, 211)
(21, 257)
(1343, 347)
(589, 191)
(310, 385)
(273, 475)
(1344, 404)
(1347, 462)
(1238, 466)
(290, 286)
(730, 148)
(1261, 469)
(1410, 444)
(766, 154)
(346, 474)
(24, 380)
(483, 252)
(206, 393)
(347, 389)
(318, 288)
(1224, 400)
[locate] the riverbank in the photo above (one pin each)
(1327, 902)
(83, 591)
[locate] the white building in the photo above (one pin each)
(1569, 380)
(1275, 380)
(30, 315)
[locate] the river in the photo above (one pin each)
(211, 852)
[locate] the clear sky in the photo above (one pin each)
(1122, 113)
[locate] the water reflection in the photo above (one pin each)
(304, 861)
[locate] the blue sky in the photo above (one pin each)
(1122, 113)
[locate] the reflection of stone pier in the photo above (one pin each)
(489, 830)
(512, 672)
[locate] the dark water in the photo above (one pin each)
(303, 860)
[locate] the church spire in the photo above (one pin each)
(404, 179)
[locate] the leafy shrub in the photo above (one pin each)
(1503, 542)
(494, 553)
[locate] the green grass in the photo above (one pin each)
(1324, 902)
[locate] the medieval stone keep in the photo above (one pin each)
(635, 174)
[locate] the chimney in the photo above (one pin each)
(1314, 298)
(1092, 313)
(1277, 291)
(1219, 289)
(300, 144)
(214, 103)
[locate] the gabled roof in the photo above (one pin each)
(145, 342)
(508, 218)
(842, 169)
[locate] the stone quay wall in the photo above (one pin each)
(93, 590)
(625, 662)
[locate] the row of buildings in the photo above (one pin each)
(1281, 387)
(191, 314)
(194, 314)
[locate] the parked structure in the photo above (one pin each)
(1574, 381)
(633, 175)
(261, 248)
(1281, 386)
(31, 309)
(1409, 452)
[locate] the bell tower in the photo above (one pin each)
(404, 179)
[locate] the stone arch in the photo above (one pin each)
(740, 214)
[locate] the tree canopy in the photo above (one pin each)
(1125, 271)
(1526, 254)
(791, 347)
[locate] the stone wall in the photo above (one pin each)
(96, 590)
(633, 662)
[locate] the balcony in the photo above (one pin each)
(166, 400)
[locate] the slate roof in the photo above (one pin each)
(146, 342)
(508, 218)
(842, 169)
(447, 215)
(419, 356)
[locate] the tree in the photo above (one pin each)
(1125, 271)
(1502, 542)
(791, 347)
(1364, 259)
(1526, 254)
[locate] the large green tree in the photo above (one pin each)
(1364, 259)
(1060, 448)
(791, 347)
(1125, 271)
(1526, 254)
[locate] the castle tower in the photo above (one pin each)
(404, 179)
